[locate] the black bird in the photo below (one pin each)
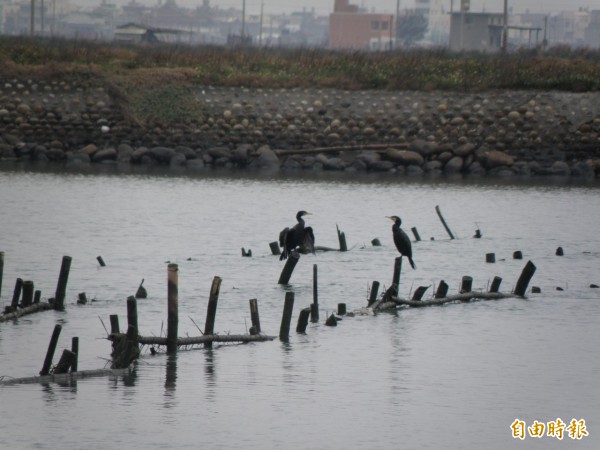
(402, 240)
(297, 236)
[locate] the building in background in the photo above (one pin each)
(353, 29)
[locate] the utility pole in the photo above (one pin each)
(397, 25)
(243, 20)
(505, 28)
(32, 19)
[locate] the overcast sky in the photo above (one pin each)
(324, 7)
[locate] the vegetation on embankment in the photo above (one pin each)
(559, 68)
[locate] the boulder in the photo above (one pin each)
(497, 158)
(268, 159)
(465, 149)
(454, 165)
(106, 154)
(560, 168)
(404, 157)
(161, 155)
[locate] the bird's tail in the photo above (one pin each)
(412, 263)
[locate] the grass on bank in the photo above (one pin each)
(559, 68)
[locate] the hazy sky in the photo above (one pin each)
(324, 7)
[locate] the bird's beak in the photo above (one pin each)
(308, 214)
(389, 217)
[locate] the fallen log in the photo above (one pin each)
(464, 297)
(182, 341)
(28, 310)
(352, 148)
(63, 377)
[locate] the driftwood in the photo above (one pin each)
(155, 340)
(28, 310)
(464, 297)
(63, 377)
(347, 148)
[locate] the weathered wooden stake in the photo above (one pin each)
(288, 308)
(560, 251)
(254, 317)
(275, 248)
(1, 271)
(495, 287)
(114, 324)
(314, 307)
(467, 284)
(439, 213)
(246, 253)
(518, 255)
(51, 348)
(397, 271)
(65, 362)
(211, 313)
(303, 320)
(373, 293)
(524, 279)
(418, 295)
(416, 234)
(341, 310)
(16, 294)
(28, 289)
(75, 350)
(331, 321)
(132, 316)
(490, 257)
(442, 290)
(172, 307)
(376, 242)
(81, 298)
(100, 261)
(341, 239)
(61, 287)
(37, 296)
(290, 263)
(536, 290)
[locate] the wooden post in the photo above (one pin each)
(376, 242)
(341, 239)
(172, 307)
(442, 290)
(524, 279)
(467, 284)
(16, 294)
(51, 348)
(254, 316)
(373, 293)
(132, 317)
(560, 251)
(37, 296)
(211, 313)
(275, 248)
(490, 257)
(27, 293)
(518, 255)
(439, 213)
(314, 308)
(65, 362)
(495, 287)
(418, 295)
(288, 308)
(75, 350)
(100, 261)
(81, 298)
(416, 233)
(341, 309)
(290, 263)
(303, 320)
(247, 254)
(61, 287)
(397, 271)
(331, 321)
(114, 324)
(1, 271)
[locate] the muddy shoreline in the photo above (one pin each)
(495, 133)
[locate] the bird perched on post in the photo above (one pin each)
(402, 240)
(297, 236)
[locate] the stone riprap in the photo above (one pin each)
(500, 133)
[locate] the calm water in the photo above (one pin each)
(452, 377)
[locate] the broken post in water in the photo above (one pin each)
(416, 234)
(61, 287)
(397, 271)
(288, 308)
(255, 329)
(101, 261)
(439, 213)
(373, 293)
(51, 349)
(288, 269)
(27, 294)
(376, 242)
(65, 362)
(132, 316)
(16, 294)
(75, 350)
(342, 239)
(1, 271)
(172, 308)
(490, 257)
(418, 295)
(466, 284)
(303, 320)
(141, 291)
(442, 290)
(211, 313)
(114, 324)
(524, 279)
(275, 248)
(495, 287)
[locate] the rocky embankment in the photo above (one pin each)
(503, 133)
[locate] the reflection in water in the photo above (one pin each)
(171, 376)
(210, 373)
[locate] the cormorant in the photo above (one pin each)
(297, 236)
(402, 240)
